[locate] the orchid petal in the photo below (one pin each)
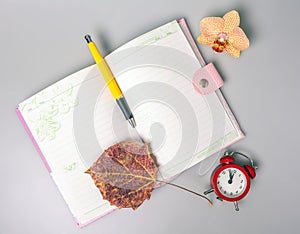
(211, 26)
(206, 40)
(231, 21)
(239, 39)
(232, 51)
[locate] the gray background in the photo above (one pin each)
(42, 41)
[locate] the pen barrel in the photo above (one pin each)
(122, 103)
(109, 79)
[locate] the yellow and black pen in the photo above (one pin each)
(110, 81)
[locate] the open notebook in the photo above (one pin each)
(74, 120)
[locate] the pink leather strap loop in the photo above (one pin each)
(207, 80)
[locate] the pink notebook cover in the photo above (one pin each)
(185, 28)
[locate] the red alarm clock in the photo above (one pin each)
(230, 181)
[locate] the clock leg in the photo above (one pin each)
(236, 206)
(208, 191)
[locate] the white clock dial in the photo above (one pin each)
(231, 182)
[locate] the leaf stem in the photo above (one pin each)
(188, 190)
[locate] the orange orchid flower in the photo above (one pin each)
(224, 34)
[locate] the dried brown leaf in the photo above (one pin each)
(125, 174)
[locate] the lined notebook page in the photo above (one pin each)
(74, 120)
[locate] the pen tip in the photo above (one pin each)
(132, 122)
(88, 38)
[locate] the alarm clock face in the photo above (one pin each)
(231, 182)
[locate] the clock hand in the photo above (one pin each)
(230, 177)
